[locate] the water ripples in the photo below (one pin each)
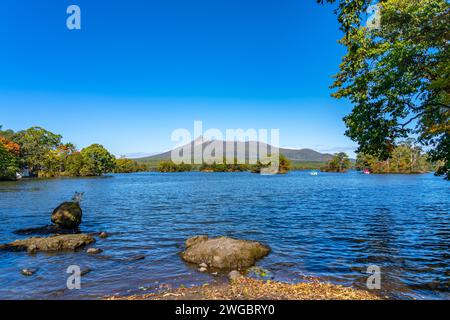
(332, 226)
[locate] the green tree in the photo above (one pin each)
(339, 163)
(56, 161)
(285, 164)
(96, 160)
(124, 165)
(35, 146)
(170, 166)
(7, 134)
(283, 167)
(74, 164)
(406, 158)
(397, 76)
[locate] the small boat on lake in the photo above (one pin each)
(314, 173)
(366, 171)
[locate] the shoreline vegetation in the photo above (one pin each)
(244, 288)
(170, 166)
(36, 152)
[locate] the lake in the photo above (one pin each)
(332, 226)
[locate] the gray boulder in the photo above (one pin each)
(223, 252)
(67, 215)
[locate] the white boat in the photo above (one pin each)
(314, 173)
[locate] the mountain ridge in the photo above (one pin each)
(295, 155)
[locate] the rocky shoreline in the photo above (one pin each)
(224, 255)
(243, 288)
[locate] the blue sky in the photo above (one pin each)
(137, 70)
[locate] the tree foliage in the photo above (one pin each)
(35, 145)
(124, 165)
(170, 166)
(339, 163)
(224, 166)
(96, 161)
(284, 165)
(406, 158)
(397, 76)
(9, 164)
(43, 154)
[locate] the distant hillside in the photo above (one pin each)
(305, 155)
(295, 155)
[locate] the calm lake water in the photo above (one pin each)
(331, 226)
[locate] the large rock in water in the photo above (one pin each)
(223, 252)
(67, 215)
(68, 242)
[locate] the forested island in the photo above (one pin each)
(41, 153)
(170, 166)
(406, 158)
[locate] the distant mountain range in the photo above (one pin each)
(295, 155)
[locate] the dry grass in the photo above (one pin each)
(252, 289)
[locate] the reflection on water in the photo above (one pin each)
(331, 226)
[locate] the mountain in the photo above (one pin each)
(295, 155)
(305, 155)
(138, 155)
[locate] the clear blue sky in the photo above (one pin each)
(137, 70)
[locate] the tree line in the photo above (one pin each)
(170, 166)
(406, 158)
(42, 154)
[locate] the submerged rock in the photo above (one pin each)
(260, 273)
(28, 272)
(86, 271)
(69, 242)
(67, 215)
(103, 235)
(46, 230)
(135, 258)
(94, 251)
(224, 252)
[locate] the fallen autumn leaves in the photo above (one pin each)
(252, 289)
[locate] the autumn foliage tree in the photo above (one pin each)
(9, 159)
(42, 153)
(396, 75)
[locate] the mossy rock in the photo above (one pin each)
(69, 242)
(67, 215)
